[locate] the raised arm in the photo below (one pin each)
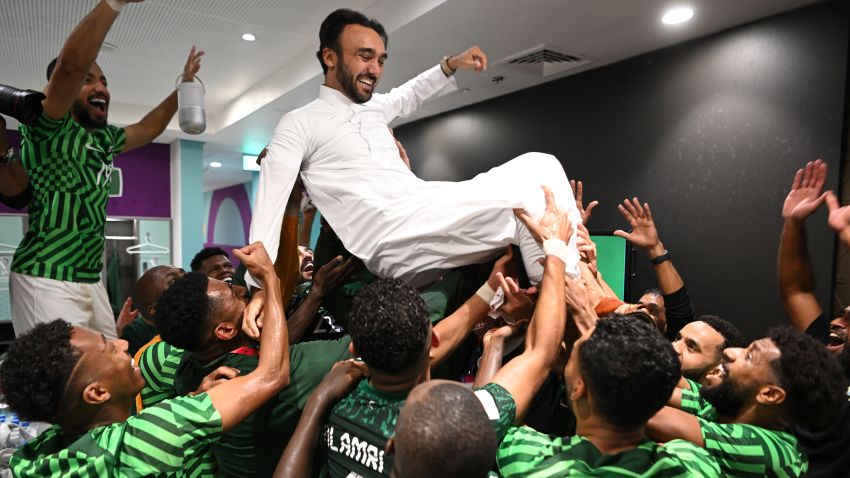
(524, 375)
(154, 123)
(793, 265)
(76, 58)
(839, 218)
(278, 172)
(297, 459)
(239, 397)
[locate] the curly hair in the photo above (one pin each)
(630, 369)
(183, 311)
(388, 325)
(813, 381)
(36, 371)
(204, 254)
(446, 433)
(732, 337)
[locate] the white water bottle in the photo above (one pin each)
(190, 101)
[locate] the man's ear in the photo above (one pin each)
(351, 349)
(95, 393)
(770, 395)
(226, 331)
(435, 339)
(329, 57)
(578, 390)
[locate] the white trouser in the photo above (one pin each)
(37, 300)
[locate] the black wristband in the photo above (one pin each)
(663, 257)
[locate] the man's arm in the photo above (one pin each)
(239, 397)
(406, 99)
(670, 423)
(793, 265)
(278, 171)
(644, 234)
(154, 123)
(326, 279)
(454, 329)
(524, 375)
(839, 218)
(298, 456)
(76, 58)
(494, 348)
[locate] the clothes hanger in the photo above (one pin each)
(147, 247)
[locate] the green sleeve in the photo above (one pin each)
(500, 407)
(693, 403)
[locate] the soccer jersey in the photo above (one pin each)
(137, 333)
(750, 451)
(253, 447)
(158, 363)
(70, 170)
(529, 453)
(164, 440)
(695, 404)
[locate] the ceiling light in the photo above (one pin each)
(248, 37)
(677, 15)
(215, 164)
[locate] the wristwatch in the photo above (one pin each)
(663, 257)
(444, 65)
(11, 155)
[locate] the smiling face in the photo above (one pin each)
(357, 67)
(91, 107)
(105, 361)
(305, 258)
(838, 332)
(740, 376)
(218, 267)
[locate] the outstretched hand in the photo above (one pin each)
(332, 274)
(554, 224)
(839, 217)
(472, 59)
(805, 195)
(644, 233)
(193, 64)
(578, 190)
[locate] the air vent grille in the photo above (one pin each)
(544, 56)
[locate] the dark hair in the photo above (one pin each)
(732, 337)
(51, 67)
(333, 25)
(813, 381)
(630, 369)
(36, 371)
(654, 291)
(204, 254)
(183, 310)
(446, 433)
(388, 325)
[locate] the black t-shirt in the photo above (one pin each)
(828, 450)
(819, 329)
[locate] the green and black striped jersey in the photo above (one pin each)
(165, 440)
(528, 453)
(70, 170)
(750, 451)
(695, 404)
(158, 364)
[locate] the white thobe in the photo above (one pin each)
(400, 225)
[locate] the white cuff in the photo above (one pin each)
(557, 248)
(486, 293)
(117, 5)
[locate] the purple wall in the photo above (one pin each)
(147, 182)
(238, 194)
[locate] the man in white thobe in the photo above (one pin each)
(399, 225)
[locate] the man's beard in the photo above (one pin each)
(81, 112)
(727, 397)
(349, 84)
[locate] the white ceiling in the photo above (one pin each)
(250, 85)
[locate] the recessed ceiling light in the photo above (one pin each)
(215, 164)
(677, 15)
(248, 37)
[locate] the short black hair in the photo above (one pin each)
(204, 254)
(447, 433)
(813, 381)
(51, 67)
(36, 371)
(630, 369)
(654, 291)
(333, 25)
(182, 312)
(732, 337)
(388, 324)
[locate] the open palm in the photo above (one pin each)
(806, 193)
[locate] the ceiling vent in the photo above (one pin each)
(544, 61)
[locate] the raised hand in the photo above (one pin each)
(341, 379)
(193, 64)
(216, 377)
(332, 274)
(578, 189)
(255, 258)
(643, 234)
(471, 59)
(805, 195)
(554, 224)
(127, 315)
(839, 217)
(587, 248)
(517, 306)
